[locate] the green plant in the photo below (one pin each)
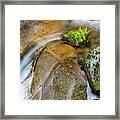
(79, 35)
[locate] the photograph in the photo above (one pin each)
(60, 59)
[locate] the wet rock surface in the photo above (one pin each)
(57, 74)
(31, 30)
(91, 63)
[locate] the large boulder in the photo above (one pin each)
(57, 75)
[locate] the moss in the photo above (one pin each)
(96, 84)
(79, 35)
(91, 63)
(94, 54)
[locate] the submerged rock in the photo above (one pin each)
(57, 75)
(91, 63)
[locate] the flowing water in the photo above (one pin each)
(26, 67)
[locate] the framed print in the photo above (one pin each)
(60, 59)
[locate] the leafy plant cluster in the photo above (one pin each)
(79, 35)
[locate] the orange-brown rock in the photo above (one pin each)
(32, 30)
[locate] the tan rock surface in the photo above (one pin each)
(57, 74)
(32, 30)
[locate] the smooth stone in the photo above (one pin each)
(57, 75)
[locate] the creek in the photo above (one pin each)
(26, 66)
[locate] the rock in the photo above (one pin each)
(94, 25)
(57, 75)
(32, 30)
(91, 63)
